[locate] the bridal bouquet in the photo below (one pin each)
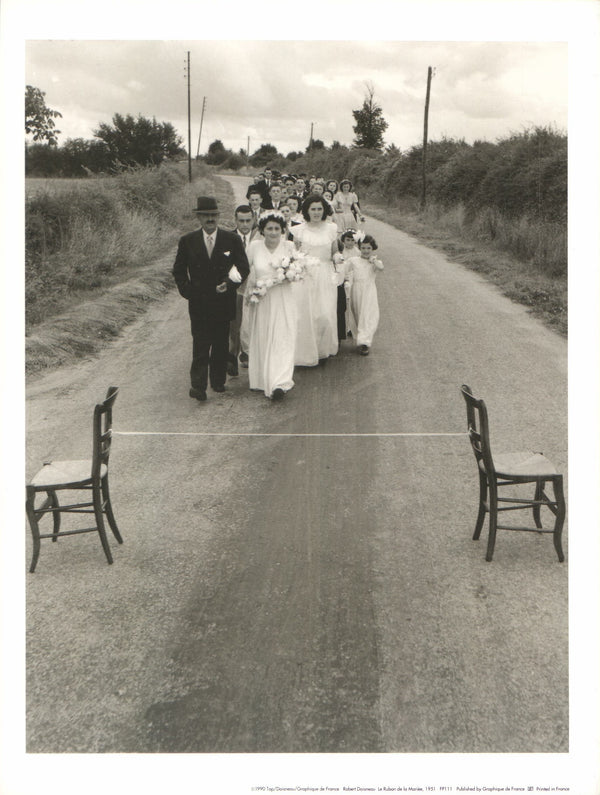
(290, 269)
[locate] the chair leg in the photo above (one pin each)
(35, 529)
(109, 511)
(97, 498)
(483, 488)
(493, 521)
(557, 485)
(539, 490)
(53, 500)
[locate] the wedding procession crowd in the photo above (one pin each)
(293, 279)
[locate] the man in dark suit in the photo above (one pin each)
(275, 199)
(245, 230)
(255, 202)
(209, 266)
(264, 186)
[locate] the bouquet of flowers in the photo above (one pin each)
(290, 269)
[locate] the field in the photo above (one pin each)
(36, 185)
(98, 250)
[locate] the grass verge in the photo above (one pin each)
(81, 320)
(545, 295)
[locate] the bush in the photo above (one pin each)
(85, 237)
(234, 162)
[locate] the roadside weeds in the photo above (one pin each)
(545, 296)
(98, 316)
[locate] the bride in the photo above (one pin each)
(271, 308)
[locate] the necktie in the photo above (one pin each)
(245, 241)
(210, 244)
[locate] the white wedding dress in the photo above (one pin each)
(316, 296)
(272, 322)
(364, 305)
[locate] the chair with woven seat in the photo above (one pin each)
(87, 475)
(511, 469)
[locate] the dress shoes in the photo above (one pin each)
(199, 394)
(244, 359)
(232, 368)
(278, 394)
(219, 388)
(363, 350)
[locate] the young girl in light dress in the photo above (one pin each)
(348, 249)
(361, 270)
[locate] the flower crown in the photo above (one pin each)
(357, 235)
(266, 214)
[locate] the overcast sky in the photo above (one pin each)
(273, 90)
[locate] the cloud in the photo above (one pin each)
(273, 90)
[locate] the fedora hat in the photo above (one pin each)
(206, 204)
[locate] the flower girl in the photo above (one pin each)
(348, 248)
(361, 270)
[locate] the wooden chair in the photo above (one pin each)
(90, 475)
(509, 469)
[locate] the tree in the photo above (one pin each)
(217, 153)
(39, 118)
(370, 124)
(140, 141)
(316, 143)
(263, 155)
(81, 156)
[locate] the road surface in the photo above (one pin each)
(307, 593)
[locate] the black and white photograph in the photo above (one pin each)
(300, 366)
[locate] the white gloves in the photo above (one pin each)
(234, 275)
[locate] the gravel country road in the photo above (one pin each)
(307, 593)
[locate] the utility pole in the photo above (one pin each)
(189, 121)
(425, 123)
(201, 121)
(310, 143)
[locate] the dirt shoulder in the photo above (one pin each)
(97, 316)
(545, 297)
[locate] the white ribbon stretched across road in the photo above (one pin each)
(233, 433)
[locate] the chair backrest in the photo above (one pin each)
(103, 430)
(479, 429)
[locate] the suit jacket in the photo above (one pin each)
(254, 233)
(197, 275)
(262, 187)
